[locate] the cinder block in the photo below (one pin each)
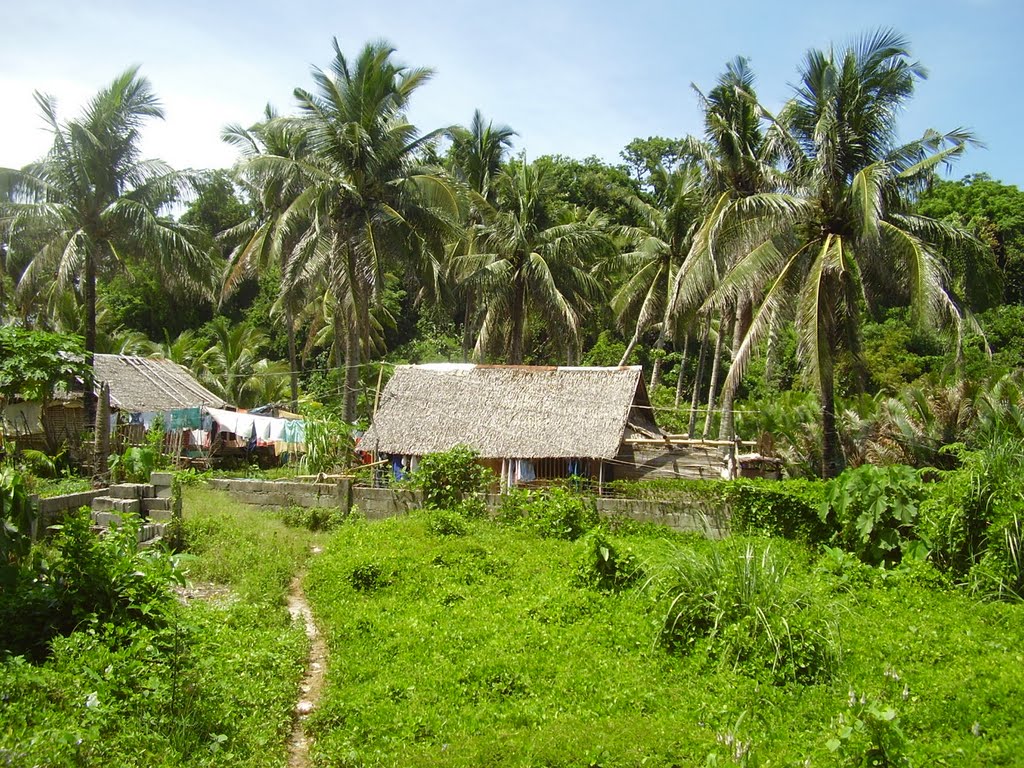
(150, 505)
(102, 503)
(161, 479)
(106, 519)
(127, 506)
(159, 515)
(127, 490)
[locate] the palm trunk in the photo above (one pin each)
(89, 397)
(630, 347)
(726, 429)
(659, 347)
(701, 357)
(467, 326)
(682, 370)
(716, 365)
(293, 360)
(351, 378)
(515, 355)
(831, 451)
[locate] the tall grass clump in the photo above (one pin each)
(971, 520)
(736, 604)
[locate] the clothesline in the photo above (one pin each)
(206, 421)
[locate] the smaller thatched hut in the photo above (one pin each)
(528, 423)
(137, 385)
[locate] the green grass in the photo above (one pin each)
(46, 487)
(216, 688)
(488, 649)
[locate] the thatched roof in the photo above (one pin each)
(527, 412)
(145, 384)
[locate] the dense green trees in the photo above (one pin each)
(808, 240)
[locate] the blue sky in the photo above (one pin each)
(574, 78)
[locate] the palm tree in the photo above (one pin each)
(369, 202)
(737, 163)
(233, 369)
(851, 234)
(661, 242)
(97, 201)
(529, 260)
(271, 237)
(476, 158)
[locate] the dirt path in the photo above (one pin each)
(312, 681)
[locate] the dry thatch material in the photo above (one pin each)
(144, 384)
(525, 412)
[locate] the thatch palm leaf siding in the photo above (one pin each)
(524, 412)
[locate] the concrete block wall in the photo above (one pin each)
(382, 503)
(283, 493)
(150, 501)
(679, 516)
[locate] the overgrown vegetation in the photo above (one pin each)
(140, 678)
(505, 646)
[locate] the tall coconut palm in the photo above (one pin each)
(737, 162)
(97, 202)
(530, 261)
(271, 237)
(369, 201)
(661, 242)
(853, 236)
(476, 158)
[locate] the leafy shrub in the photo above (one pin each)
(134, 465)
(368, 577)
(313, 518)
(788, 508)
(444, 522)
(736, 606)
(552, 513)
(329, 444)
(16, 517)
(607, 565)
(874, 511)
(85, 580)
(450, 480)
(868, 734)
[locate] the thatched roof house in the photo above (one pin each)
(544, 415)
(137, 385)
(150, 384)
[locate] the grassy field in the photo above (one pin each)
(494, 648)
(469, 642)
(214, 687)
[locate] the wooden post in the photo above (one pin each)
(376, 395)
(101, 441)
(600, 477)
